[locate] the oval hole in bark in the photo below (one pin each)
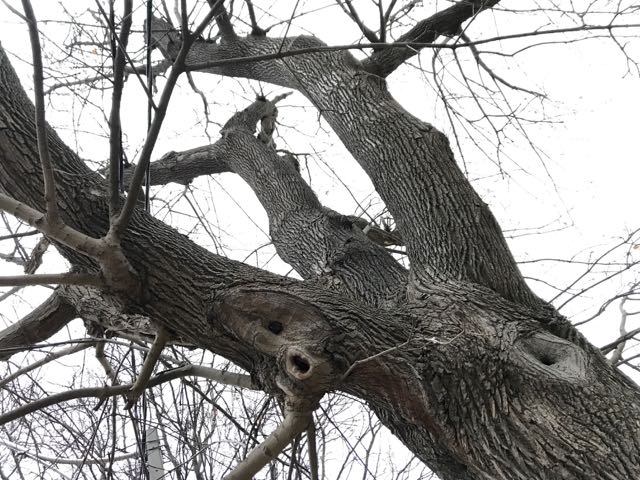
(546, 359)
(545, 353)
(275, 327)
(301, 364)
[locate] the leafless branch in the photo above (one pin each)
(293, 424)
(162, 336)
(68, 278)
(41, 125)
(101, 393)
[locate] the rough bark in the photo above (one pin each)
(38, 325)
(474, 373)
(450, 233)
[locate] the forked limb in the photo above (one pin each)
(294, 423)
(162, 336)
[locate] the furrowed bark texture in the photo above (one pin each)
(474, 374)
(38, 325)
(450, 233)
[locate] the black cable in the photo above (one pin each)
(149, 72)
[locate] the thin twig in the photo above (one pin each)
(47, 359)
(52, 279)
(101, 393)
(120, 223)
(41, 125)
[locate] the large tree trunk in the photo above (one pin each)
(480, 378)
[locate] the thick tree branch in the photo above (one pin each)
(40, 324)
(445, 22)
(183, 167)
(317, 242)
(450, 233)
(460, 402)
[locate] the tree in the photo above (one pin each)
(478, 376)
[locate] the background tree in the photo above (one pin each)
(444, 341)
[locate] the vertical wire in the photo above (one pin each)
(147, 177)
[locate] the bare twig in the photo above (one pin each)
(115, 127)
(352, 13)
(47, 359)
(101, 393)
(162, 336)
(120, 223)
(19, 235)
(41, 125)
(617, 354)
(52, 279)
(373, 357)
(66, 461)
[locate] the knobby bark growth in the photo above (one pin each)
(480, 378)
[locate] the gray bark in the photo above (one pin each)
(480, 379)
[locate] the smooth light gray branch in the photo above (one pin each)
(293, 424)
(68, 278)
(62, 233)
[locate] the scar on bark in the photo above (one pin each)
(289, 330)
